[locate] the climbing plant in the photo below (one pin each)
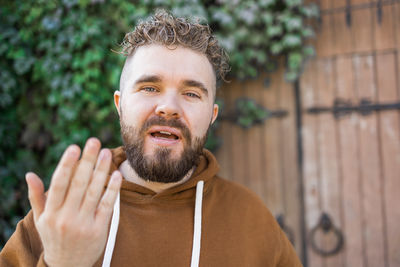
(58, 72)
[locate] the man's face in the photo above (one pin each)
(166, 105)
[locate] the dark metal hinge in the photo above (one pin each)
(289, 232)
(379, 12)
(342, 107)
(348, 13)
(247, 113)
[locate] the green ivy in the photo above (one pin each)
(249, 113)
(58, 72)
(255, 33)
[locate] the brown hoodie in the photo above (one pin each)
(156, 229)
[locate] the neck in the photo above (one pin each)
(131, 176)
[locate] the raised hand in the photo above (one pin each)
(73, 219)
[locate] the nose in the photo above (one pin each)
(168, 107)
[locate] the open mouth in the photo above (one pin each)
(164, 135)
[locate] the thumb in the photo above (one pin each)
(36, 194)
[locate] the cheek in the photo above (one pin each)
(200, 121)
(134, 112)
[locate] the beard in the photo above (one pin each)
(160, 167)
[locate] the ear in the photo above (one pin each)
(117, 101)
(215, 113)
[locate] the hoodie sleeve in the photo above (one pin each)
(24, 247)
(288, 256)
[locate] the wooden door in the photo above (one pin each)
(264, 157)
(351, 163)
(310, 163)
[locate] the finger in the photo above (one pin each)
(105, 208)
(61, 177)
(96, 186)
(82, 175)
(35, 194)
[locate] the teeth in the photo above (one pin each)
(163, 132)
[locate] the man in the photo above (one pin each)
(167, 204)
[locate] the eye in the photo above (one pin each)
(149, 89)
(192, 95)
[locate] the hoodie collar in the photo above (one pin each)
(206, 169)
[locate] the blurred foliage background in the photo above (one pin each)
(58, 72)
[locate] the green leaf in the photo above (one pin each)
(309, 51)
(274, 30)
(276, 48)
(291, 40)
(267, 18)
(294, 23)
(291, 76)
(261, 114)
(295, 60)
(266, 3)
(245, 122)
(310, 11)
(307, 32)
(293, 3)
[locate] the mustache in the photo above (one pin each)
(161, 121)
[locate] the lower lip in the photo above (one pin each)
(163, 142)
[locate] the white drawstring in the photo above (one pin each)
(112, 235)
(196, 235)
(197, 225)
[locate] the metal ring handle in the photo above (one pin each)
(325, 225)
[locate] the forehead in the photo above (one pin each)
(172, 65)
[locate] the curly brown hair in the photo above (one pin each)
(163, 28)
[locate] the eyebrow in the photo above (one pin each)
(158, 79)
(149, 79)
(197, 84)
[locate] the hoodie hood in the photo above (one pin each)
(206, 169)
(195, 187)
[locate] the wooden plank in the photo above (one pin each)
(384, 32)
(344, 43)
(397, 23)
(271, 147)
(324, 45)
(238, 145)
(362, 30)
(339, 3)
(325, 4)
(253, 140)
(289, 161)
(312, 193)
(358, 2)
(388, 84)
(348, 147)
(370, 165)
(223, 154)
(327, 144)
